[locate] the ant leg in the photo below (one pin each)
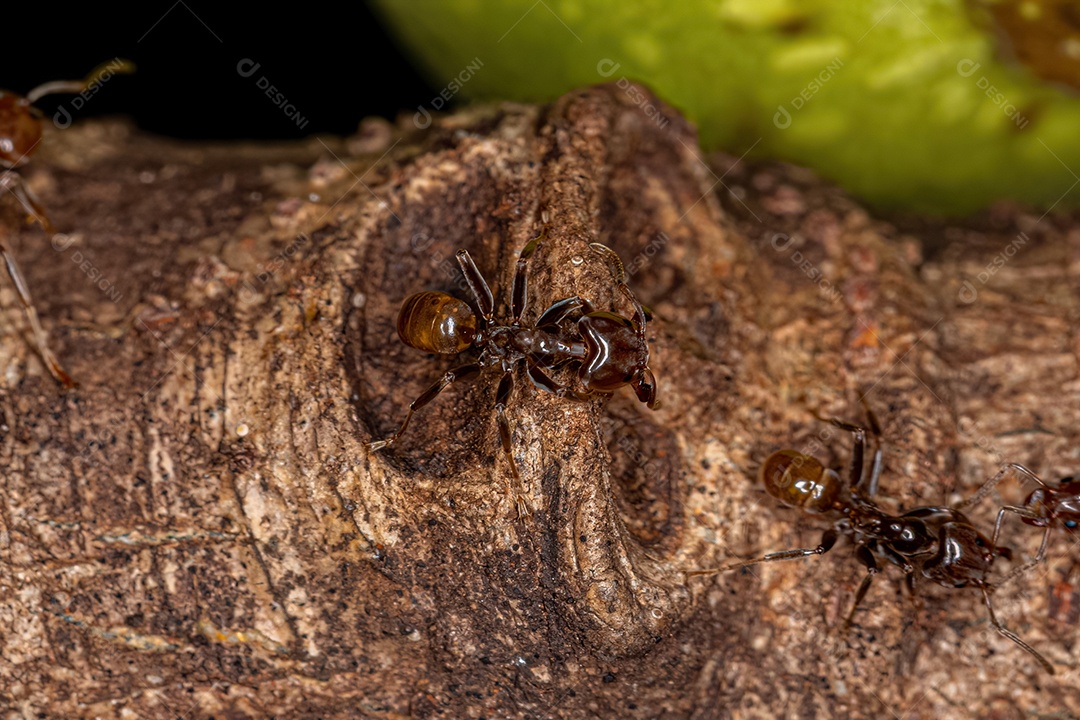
(856, 473)
(987, 487)
(992, 482)
(875, 473)
(871, 418)
(559, 310)
(519, 295)
(1010, 634)
(828, 539)
(477, 284)
(1032, 563)
(451, 376)
(544, 382)
(40, 340)
(916, 600)
(866, 557)
(1021, 511)
(14, 183)
(1025, 513)
(502, 395)
(898, 560)
(641, 317)
(875, 466)
(909, 581)
(1017, 467)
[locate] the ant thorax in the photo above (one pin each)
(510, 343)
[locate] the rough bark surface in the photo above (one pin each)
(199, 530)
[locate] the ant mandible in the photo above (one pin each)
(939, 542)
(20, 135)
(1045, 507)
(612, 351)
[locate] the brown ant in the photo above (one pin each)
(941, 543)
(612, 351)
(20, 134)
(1044, 507)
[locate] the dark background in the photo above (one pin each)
(335, 67)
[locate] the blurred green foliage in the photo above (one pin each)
(912, 104)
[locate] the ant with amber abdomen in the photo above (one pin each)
(940, 543)
(20, 134)
(611, 351)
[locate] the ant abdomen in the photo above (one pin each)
(436, 322)
(800, 481)
(20, 129)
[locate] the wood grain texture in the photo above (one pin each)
(200, 530)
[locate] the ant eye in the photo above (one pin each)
(1071, 524)
(980, 542)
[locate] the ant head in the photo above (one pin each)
(20, 130)
(616, 355)
(801, 481)
(964, 556)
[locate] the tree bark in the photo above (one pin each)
(200, 530)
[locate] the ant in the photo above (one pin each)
(941, 543)
(20, 134)
(612, 351)
(1042, 508)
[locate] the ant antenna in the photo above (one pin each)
(57, 87)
